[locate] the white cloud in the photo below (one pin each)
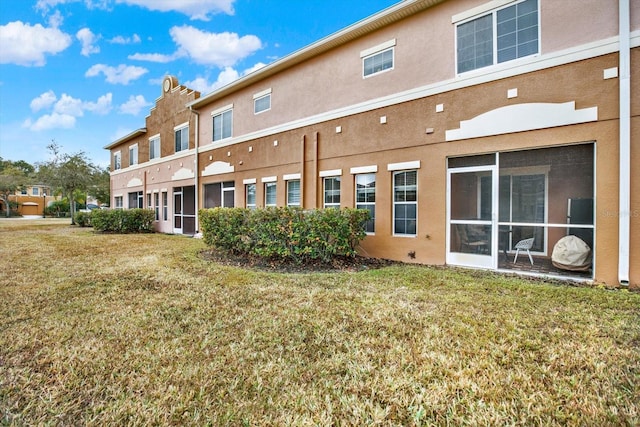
(134, 39)
(44, 101)
(45, 5)
(24, 44)
(154, 57)
(102, 106)
(134, 105)
(195, 9)
(65, 110)
(69, 105)
(55, 20)
(88, 40)
(226, 76)
(219, 49)
(122, 74)
(51, 121)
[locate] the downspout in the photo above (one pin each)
(625, 144)
(197, 167)
(302, 170)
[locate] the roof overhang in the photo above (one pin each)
(126, 138)
(368, 25)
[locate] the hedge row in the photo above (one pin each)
(122, 221)
(284, 232)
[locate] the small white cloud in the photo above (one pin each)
(134, 105)
(122, 74)
(55, 20)
(44, 101)
(102, 106)
(154, 57)
(226, 76)
(28, 45)
(88, 40)
(134, 39)
(51, 121)
(195, 9)
(219, 49)
(69, 105)
(256, 67)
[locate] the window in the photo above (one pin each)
(261, 103)
(222, 124)
(23, 192)
(149, 205)
(502, 35)
(154, 148)
(182, 138)
(332, 192)
(133, 155)
(293, 192)
(378, 62)
(117, 201)
(270, 194)
(117, 160)
(165, 206)
(35, 191)
(250, 191)
(156, 205)
(219, 194)
(366, 198)
(378, 58)
(136, 200)
(405, 203)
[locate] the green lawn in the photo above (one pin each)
(139, 330)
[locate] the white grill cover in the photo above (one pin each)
(571, 253)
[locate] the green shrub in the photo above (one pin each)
(123, 221)
(58, 208)
(83, 219)
(284, 233)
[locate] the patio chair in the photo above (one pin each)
(525, 245)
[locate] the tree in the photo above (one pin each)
(67, 173)
(101, 185)
(12, 178)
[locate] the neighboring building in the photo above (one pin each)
(31, 200)
(467, 128)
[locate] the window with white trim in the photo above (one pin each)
(270, 194)
(332, 192)
(165, 206)
(405, 203)
(117, 160)
(156, 205)
(293, 192)
(136, 200)
(250, 196)
(262, 102)
(133, 155)
(501, 35)
(182, 138)
(219, 194)
(35, 191)
(366, 198)
(222, 125)
(154, 147)
(117, 201)
(378, 59)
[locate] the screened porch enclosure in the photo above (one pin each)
(523, 203)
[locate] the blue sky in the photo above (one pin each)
(84, 73)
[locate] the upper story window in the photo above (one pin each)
(222, 123)
(262, 101)
(35, 191)
(378, 59)
(133, 155)
(500, 35)
(182, 137)
(117, 160)
(154, 147)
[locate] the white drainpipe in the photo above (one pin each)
(625, 144)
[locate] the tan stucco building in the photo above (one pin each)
(468, 128)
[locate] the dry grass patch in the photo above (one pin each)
(138, 329)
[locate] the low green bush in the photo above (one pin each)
(284, 232)
(83, 219)
(123, 221)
